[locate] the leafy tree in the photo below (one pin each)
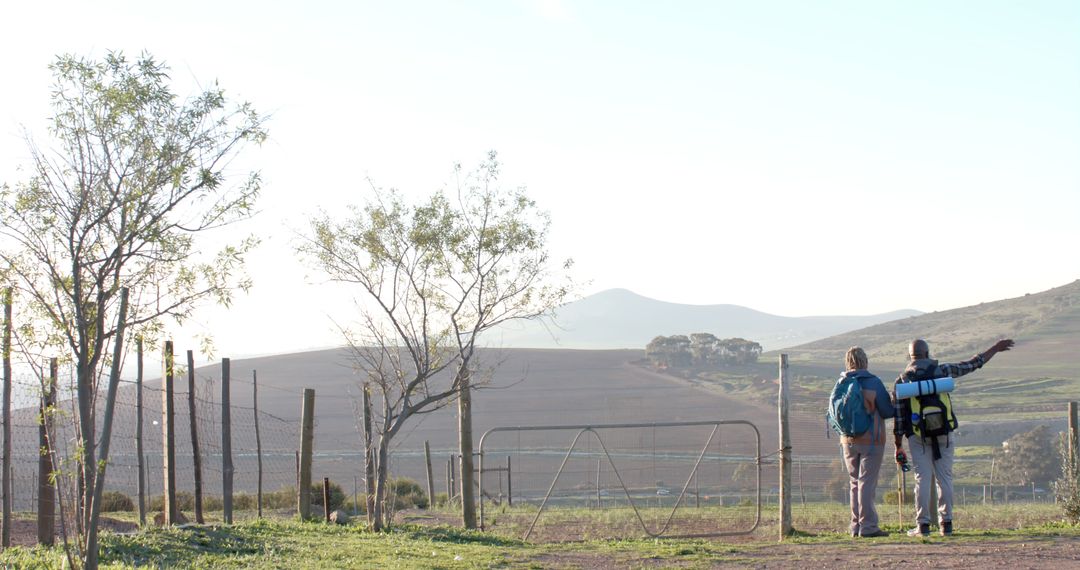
(434, 277)
(703, 347)
(1029, 457)
(670, 351)
(739, 351)
(133, 177)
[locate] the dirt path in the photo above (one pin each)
(1030, 553)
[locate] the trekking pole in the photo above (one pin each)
(899, 496)
(903, 492)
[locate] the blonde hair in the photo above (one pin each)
(856, 359)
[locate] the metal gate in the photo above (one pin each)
(660, 530)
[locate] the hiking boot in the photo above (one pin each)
(922, 530)
(875, 534)
(946, 528)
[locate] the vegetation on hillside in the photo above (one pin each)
(959, 333)
(701, 350)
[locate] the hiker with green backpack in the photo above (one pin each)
(928, 420)
(858, 408)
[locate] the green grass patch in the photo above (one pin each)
(288, 544)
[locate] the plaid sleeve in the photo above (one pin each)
(961, 368)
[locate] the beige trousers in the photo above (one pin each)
(863, 464)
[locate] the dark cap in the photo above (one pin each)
(919, 349)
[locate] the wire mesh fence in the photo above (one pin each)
(278, 438)
(629, 482)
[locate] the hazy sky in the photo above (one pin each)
(799, 158)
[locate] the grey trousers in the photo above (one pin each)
(863, 464)
(922, 456)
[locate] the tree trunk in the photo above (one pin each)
(378, 518)
(106, 434)
(465, 439)
(194, 429)
(5, 531)
(369, 462)
(86, 440)
(140, 456)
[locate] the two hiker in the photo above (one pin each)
(926, 420)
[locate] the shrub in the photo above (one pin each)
(337, 495)
(838, 487)
(212, 503)
(246, 501)
(360, 507)
(283, 498)
(407, 494)
(1067, 488)
(891, 496)
(185, 501)
(115, 501)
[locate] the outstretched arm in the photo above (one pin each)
(999, 346)
(976, 362)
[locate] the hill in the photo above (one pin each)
(618, 318)
(1028, 385)
(1046, 327)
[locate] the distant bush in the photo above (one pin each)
(245, 502)
(360, 506)
(185, 501)
(115, 502)
(838, 487)
(408, 494)
(283, 498)
(337, 495)
(1067, 488)
(891, 496)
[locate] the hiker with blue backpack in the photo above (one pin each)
(858, 408)
(927, 419)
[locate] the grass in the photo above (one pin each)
(270, 543)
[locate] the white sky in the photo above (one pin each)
(795, 157)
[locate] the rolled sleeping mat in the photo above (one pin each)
(924, 388)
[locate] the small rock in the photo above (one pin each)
(339, 517)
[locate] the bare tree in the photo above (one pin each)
(433, 278)
(134, 177)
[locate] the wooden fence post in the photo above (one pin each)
(168, 430)
(326, 497)
(306, 441)
(46, 515)
(453, 475)
(194, 437)
(430, 479)
(785, 452)
(598, 505)
(5, 531)
(140, 456)
(258, 440)
(369, 460)
(226, 444)
(993, 462)
(449, 480)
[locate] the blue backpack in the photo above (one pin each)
(847, 413)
